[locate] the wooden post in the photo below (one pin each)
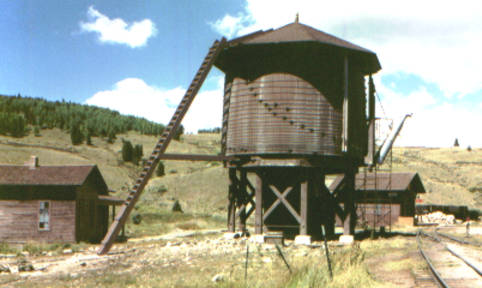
(243, 195)
(113, 213)
(328, 207)
(345, 105)
(304, 207)
(232, 199)
(259, 203)
(349, 203)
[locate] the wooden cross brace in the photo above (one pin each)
(282, 199)
(245, 199)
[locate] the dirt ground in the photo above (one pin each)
(202, 255)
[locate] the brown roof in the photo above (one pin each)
(296, 32)
(44, 175)
(385, 182)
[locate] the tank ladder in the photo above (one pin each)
(161, 147)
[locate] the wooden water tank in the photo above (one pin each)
(284, 94)
(281, 113)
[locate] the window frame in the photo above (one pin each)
(40, 216)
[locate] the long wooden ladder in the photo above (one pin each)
(161, 147)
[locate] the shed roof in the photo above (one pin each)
(45, 175)
(384, 182)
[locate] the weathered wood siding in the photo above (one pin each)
(91, 217)
(19, 221)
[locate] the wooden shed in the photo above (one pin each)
(384, 199)
(53, 203)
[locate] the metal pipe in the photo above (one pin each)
(388, 143)
(370, 160)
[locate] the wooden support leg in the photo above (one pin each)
(349, 204)
(232, 197)
(328, 208)
(259, 204)
(304, 207)
(243, 201)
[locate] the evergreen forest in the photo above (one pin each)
(18, 115)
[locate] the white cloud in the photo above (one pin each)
(132, 96)
(438, 41)
(434, 123)
(117, 31)
(229, 26)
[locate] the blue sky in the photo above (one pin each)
(138, 57)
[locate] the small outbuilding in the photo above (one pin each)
(53, 203)
(384, 199)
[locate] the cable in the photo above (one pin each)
(383, 110)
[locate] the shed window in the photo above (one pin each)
(44, 216)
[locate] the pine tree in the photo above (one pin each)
(75, 134)
(456, 143)
(127, 151)
(17, 126)
(36, 131)
(88, 139)
(110, 136)
(137, 154)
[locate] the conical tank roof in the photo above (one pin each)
(298, 33)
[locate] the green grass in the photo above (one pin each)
(348, 271)
(265, 269)
(449, 175)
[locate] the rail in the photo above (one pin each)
(437, 277)
(456, 239)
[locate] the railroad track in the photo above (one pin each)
(457, 239)
(449, 267)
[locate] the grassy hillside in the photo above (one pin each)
(450, 175)
(200, 187)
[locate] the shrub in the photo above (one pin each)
(160, 171)
(136, 218)
(179, 132)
